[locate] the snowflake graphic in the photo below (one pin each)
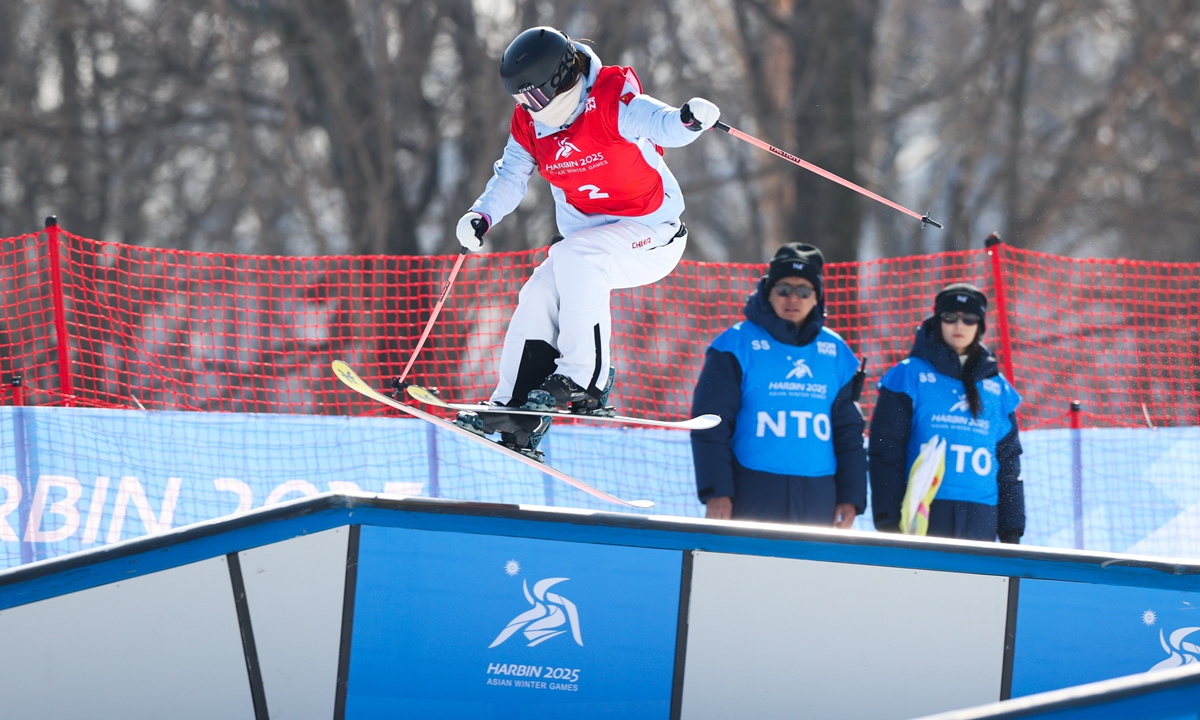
(512, 567)
(1149, 618)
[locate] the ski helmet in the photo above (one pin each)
(538, 64)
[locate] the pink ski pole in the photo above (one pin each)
(399, 382)
(823, 173)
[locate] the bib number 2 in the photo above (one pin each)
(593, 192)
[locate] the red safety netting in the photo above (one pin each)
(1123, 337)
(27, 306)
(164, 329)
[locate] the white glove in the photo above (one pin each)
(699, 114)
(470, 230)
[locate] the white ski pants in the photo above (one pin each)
(566, 301)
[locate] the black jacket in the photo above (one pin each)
(719, 391)
(891, 426)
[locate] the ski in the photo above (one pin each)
(356, 383)
(703, 422)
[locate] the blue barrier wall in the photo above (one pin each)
(479, 624)
(1057, 620)
(612, 613)
(72, 479)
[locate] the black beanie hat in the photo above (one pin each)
(798, 260)
(961, 297)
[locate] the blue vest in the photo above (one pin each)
(940, 408)
(784, 425)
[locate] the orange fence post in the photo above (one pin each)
(1007, 361)
(62, 341)
(17, 383)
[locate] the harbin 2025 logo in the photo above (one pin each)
(550, 612)
(551, 617)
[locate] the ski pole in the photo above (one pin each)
(925, 220)
(432, 318)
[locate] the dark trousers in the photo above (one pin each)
(766, 497)
(963, 520)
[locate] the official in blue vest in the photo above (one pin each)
(950, 386)
(789, 447)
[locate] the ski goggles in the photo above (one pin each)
(967, 318)
(534, 98)
(803, 292)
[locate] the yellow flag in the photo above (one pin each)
(924, 479)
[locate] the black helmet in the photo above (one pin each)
(538, 64)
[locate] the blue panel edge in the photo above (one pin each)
(111, 563)
(1184, 681)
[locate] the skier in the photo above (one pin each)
(951, 386)
(593, 135)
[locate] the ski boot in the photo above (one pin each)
(559, 392)
(522, 433)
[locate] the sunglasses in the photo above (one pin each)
(952, 317)
(803, 292)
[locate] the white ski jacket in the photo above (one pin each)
(644, 121)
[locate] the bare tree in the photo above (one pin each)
(1060, 125)
(369, 126)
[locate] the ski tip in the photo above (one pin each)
(344, 373)
(643, 504)
(702, 421)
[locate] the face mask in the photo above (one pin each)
(561, 107)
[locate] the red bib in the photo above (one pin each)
(600, 172)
